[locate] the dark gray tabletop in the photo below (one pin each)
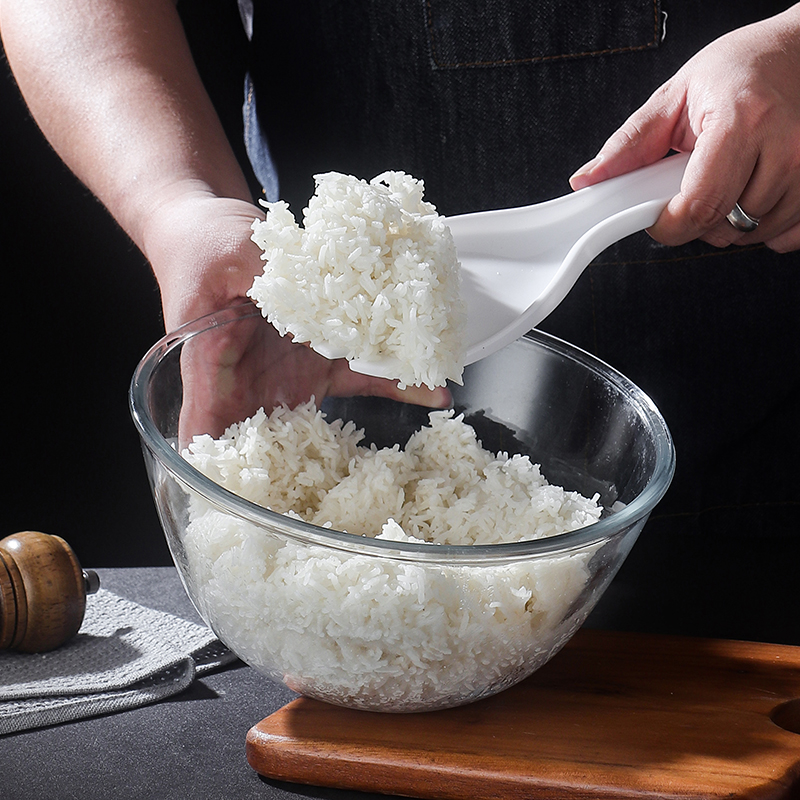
(193, 745)
(190, 746)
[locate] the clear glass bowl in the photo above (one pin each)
(385, 625)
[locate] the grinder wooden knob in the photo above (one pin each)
(42, 592)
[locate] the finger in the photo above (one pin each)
(439, 397)
(644, 138)
(764, 198)
(344, 383)
(714, 180)
(771, 197)
(787, 241)
(779, 227)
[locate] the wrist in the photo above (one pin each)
(200, 250)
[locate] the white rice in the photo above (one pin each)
(373, 274)
(371, 632)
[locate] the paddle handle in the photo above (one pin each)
(658, 182)
(526, 232)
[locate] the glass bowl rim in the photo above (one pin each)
(604, 529)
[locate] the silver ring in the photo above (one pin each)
(741, 221)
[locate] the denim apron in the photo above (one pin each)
(494, 103)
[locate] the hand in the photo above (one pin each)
(736, 107)
(202, 254)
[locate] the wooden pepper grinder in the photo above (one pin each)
(42, 592)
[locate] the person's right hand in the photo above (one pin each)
(736, 107)
(200, 248)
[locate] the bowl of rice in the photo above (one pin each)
(379, 555)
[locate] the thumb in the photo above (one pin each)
(644, 138)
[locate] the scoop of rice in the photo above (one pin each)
(373, 274)
(374, 632)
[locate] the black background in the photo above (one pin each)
(82, 308)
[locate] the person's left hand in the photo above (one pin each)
(736, 107)
(200, 248)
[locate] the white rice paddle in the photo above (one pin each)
(518, 264)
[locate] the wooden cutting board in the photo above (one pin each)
(614, 715)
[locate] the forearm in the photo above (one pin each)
(113, 86)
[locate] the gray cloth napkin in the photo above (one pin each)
(124, 656)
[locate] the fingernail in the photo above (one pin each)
(586, 168)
